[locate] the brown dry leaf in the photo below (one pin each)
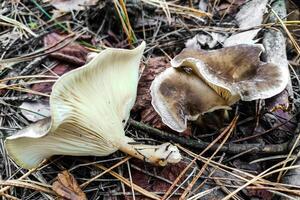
(72, 56)
(69, 5)
(67, 187)
(73, 53)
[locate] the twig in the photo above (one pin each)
(22, 177)
(126, 182)
(23, 97)
(294, 146)
(224, 134)
(83, 185)
(18, 183)
(130, 179)
(44, 51)
(9, 196)
(228, 148)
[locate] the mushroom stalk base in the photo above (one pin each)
(155, 154)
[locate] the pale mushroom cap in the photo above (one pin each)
(105, 91)
(235, 70)
(28, 148)
(89, 107)
(178, 96)
(36, 130)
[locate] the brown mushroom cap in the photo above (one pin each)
(179, 96)
(235, 72)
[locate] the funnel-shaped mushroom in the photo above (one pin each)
(223, 77)
(89, 109)
(235, 72)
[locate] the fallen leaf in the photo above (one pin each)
(70, 57)
(72, 53)
(255, 169)
(216, 175)
(292, 177)
(226, 9)
(67, 187)
(246, 37)
(69, 5)
(258, 194)
(245, 17)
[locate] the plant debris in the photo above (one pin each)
(71, 5)
(246, 151)
(67, 187)
(73, 53)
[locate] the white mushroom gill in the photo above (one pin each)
(89, 109)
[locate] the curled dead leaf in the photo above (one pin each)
(72, 54)
(71, 57)
(67, 187)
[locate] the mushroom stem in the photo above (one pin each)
(155, 154)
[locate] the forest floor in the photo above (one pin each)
(248, 152)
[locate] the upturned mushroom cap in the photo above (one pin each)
(179, 96)
(89, 108)
(235, 72)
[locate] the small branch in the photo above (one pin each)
(229, 148)
(22, 97)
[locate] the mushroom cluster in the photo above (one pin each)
(203, 81)
(89, 110)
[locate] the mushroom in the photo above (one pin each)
(89, 110)
(178, 97)
(233, 73)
